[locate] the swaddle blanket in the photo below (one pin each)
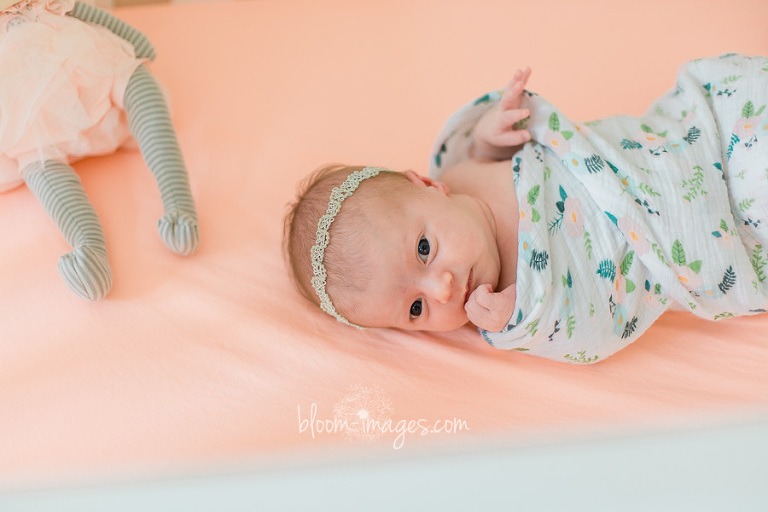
(622, 217)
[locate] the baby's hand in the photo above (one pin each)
(495, 136)
(488, 310)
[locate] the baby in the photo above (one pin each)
(556, 238)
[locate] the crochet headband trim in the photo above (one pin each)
(317, 253)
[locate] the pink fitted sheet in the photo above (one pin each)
(201, 361)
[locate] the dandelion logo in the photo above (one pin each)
(363, 411)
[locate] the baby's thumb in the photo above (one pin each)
(484, 295)
(510, 292)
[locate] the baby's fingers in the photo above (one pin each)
(505, 134)
(490, 320)
(512, 139)
(512, 95)
(526, 73)
(486, 298)
(508, 118)
(480, 316)
(502, 302)
(520, 78)
(474, 301)
(520, 75)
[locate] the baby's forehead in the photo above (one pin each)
(375, 224)
(383, 197)
(386, 213)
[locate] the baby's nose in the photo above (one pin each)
(442, 286)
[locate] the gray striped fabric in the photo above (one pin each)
(150, 123)
(91, 14)
(86, 269)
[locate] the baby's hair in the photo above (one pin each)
(344, 270)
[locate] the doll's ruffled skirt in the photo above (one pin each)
(62, 83)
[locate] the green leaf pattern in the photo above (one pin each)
(661, 190)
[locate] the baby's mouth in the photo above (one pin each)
(468, 292)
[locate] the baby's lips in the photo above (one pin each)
(470, 281)
(472, 299)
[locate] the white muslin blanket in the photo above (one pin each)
(624, 216)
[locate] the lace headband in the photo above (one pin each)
(338, 195)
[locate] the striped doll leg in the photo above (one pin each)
(86, 269)
(150, 123)
(91, 14)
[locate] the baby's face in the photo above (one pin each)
(426, 256)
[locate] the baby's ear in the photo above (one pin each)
(426, 181)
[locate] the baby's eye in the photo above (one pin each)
(423, 248)
(416, 308)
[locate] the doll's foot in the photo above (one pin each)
(87, 272)
(178, 229)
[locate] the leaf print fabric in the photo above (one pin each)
(621, 216)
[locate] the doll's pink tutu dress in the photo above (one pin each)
(62, 83)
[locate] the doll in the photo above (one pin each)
(73, 84)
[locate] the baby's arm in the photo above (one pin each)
(488, 310)
(495, 136)
(91, 14)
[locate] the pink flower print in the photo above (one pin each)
(557, 142)
(526, 218)
(746, 127)
(650, 300)
(619, 288)
(583, 129)
(573, 216)
(635, 235)
(650, 140)
(689, 279)
(689, 116)
(725, 240)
